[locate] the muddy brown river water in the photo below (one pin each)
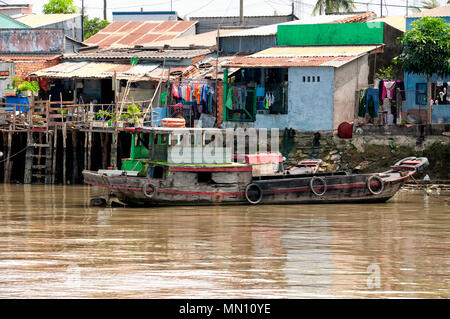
(53, 245)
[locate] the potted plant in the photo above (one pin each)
(133, 113)
(102, 117)
(28, 88)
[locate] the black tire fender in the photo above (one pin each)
(369, 187)
(248, 188)
(148, 186)
(311, 185)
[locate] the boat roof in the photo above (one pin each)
(202, 167)
(173, 130)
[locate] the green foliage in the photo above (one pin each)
(388, 72)
(28, 86)
(430, 4)
(17, 82)
(59, 6)
(438, 154)
(92, 26)
(104, 115)
(426, 47)
(133, 112)
(330, 6)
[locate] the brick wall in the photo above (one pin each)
(23, 68)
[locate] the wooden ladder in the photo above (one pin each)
(38, 158)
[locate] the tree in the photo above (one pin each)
(430, 4)
(330, 6)
(59, 6)
(92, 26)
(426, 51)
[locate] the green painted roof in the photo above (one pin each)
(9, 23)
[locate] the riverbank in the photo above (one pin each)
(374, 149)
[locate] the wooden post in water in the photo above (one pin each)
(114, 142)
(89, 146)
(64, 133)
(105, 149)
(28, 158)
(85, 150)
(55, 147)
(75, 156)
(8, 158)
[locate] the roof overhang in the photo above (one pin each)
(285, 57)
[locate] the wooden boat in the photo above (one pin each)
(151, 177)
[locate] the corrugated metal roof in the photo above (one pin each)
(96, 70)
(443, 11)
(28, 57)
(334, 56)
(272, 29)
(9, 23)
(315, 51)
(141, 54)
(39, 20)
(267, 62)
(129, 34)
(207, 40)
(398, 22)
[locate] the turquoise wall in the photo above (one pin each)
(411, 79)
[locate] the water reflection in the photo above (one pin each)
(53, 245)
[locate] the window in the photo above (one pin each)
(204, 177)
(421, 93)
(156, 172)
(256, 91)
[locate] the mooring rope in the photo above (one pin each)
(14, 154)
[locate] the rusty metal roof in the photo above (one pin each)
(28, 57)
(315, 51)
(131, 33)
(284, 57)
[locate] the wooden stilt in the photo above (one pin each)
(115, 137)
(48, 157)
(89, 146)
(85, 165)
(105, 149)
(28, 158)
(75, 157)
(55, 147)
(8, 158)
(64, 132)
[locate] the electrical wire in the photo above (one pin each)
(204, 6)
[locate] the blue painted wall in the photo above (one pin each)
(310, 104)
(411, 79)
